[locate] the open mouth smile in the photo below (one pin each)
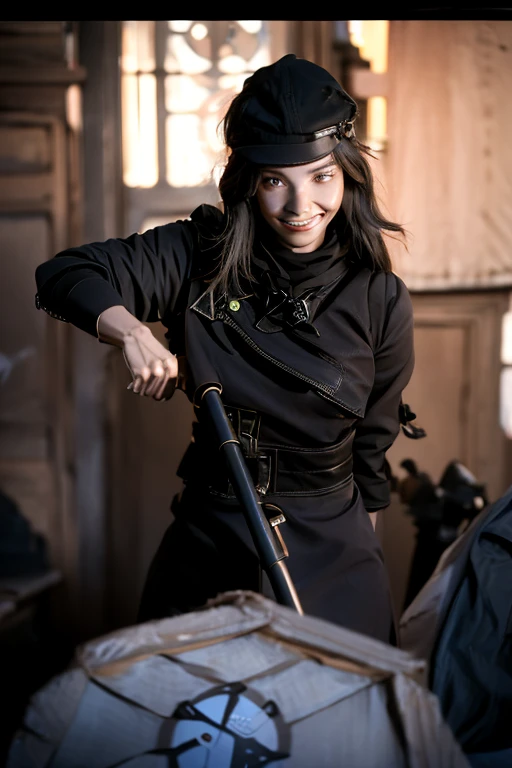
(301, 225)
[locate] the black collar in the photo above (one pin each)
(292, 286)
(295, 272)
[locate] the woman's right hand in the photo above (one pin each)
(154, 369)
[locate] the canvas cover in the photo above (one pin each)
(244, 682)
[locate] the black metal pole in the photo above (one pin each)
(270, 553)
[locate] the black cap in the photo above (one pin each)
(295, 112)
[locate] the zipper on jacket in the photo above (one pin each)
(326, 390)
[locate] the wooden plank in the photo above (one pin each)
(365, 84)
(54, 75)
(26, 192)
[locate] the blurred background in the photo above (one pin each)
(109, 127)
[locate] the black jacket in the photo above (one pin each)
(351, 377)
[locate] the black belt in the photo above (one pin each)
(276, 469)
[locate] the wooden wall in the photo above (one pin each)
(449, 156)
(40, 206)
(446, 176)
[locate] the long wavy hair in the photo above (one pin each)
(360, 223)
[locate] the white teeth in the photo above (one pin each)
(298, 224)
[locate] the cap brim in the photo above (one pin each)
(289, 154)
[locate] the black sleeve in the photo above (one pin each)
(394, 363)
(143, 272)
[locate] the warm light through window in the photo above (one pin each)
(140, 154)
(506, 338)
(138, 46)
(202, 65)
(506, 401)
(371, 37)
(138, 94)
(182, 58)
(187, 165)
(377, 121)
(253, 27)
(74, 107)
(179, 26)
(184, 94)
(506, 372)
(232, 65)
(199, 31)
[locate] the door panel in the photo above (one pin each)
(454, 393)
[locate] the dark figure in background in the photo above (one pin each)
(286, 291)
(440, 515)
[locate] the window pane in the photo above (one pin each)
(203, 82)
(202, 66)
(260, 59)
(140, 155)
(181, 56)
(188, 164)
(185, 94)
(376, 122)
(129, 61)
(130, 119)
(138, 96)
(232, 64)
(179, 26)
(148, 166)
(251, 26)
(138, 46)
(232, 83)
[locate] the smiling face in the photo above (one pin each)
(299, 201)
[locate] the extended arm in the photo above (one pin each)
(112, 289)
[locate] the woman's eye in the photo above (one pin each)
(324, 176)
(272, 181)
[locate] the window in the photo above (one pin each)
(371, 38)
(506, 373)
(177, 80)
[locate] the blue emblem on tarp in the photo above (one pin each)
(227, 727)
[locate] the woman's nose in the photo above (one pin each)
(298, 201)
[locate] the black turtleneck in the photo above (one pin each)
(291, 285)
(296, 272)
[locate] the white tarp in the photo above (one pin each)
(244, 682)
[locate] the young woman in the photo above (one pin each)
(287, 297)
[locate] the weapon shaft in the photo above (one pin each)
(269, 550)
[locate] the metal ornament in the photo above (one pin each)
(340, 130)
